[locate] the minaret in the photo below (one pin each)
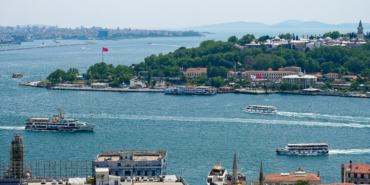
(261, 178)
(234, 178)
(360, 31)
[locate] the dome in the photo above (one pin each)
(327, 39)
(277, 38)
(282, 39)
(320, 39)
(300, 74)
(253, 42)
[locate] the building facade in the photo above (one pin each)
(270, 74)
(194, 72)
(358, 173)
(301, 79)
(332, 75)
(128, 163)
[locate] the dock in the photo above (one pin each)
(107, 89)
(54, 46)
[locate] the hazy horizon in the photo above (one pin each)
(169, 14)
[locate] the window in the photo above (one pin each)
(349, 175)
(362, 176)
(355, 175)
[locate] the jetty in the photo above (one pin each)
(54, 46)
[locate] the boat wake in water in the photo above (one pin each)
(325, 116)
(350, 151)
(11, 128)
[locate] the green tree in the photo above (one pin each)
(294, 87)
(216, 81)
(56, 76)
(327, 67)
(354, 85)
(246, 39)
(236, 86)
(232, 39)
(301, 182)
(284, 86)
(167, 79)
(209, 67)
(324, 87)
(149, 77)
(366, 73)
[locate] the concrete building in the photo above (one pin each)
(358, 173)
(99, 85)
(301, 79)
(269, 74)
(235, 178)
(128, 163)
(194, 72)
(103, 34)
(332, 75)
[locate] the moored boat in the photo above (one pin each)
(304, 149)
(17, 75)
(191, 90)
(58, 123)
(217, 175)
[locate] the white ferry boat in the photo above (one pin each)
(304, 149)
(58, 123)
(191, 90)
(260, 109)
(217, 175)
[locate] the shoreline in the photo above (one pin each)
(110, 89)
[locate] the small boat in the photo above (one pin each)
(150, 43)
(83, 47)
(43, 43)
(217, 175)
(304, 149)
(260, 109)
(17, 75)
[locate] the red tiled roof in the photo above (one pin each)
(331, 74)
(339, 184)
(350, 76)
(196, 70)
(292, 177)
(359, 168)
(316, 75)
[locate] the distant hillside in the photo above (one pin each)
(285, 24)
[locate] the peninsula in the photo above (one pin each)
(287, 63)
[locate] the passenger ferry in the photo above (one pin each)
(304, 149)
(260, 109)
(58, 123)
(217, 175)
(17, 75)
(191, 90)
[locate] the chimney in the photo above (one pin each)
(350, 164)
(318, 173)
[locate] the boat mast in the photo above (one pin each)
(60, 114)
(91, 119)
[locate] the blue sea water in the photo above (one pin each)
(195, 130)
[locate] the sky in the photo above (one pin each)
(155, 14)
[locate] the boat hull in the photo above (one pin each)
(304, 152)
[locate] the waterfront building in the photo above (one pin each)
(127, 163)
(194, 72)
(360, 31)
(290, 178)
(235, 177)
(269, 74)
(301, 79)
(99, 85)
(332, 75)
(358, 173)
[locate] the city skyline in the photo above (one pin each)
(167, 14)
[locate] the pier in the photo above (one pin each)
(54, 46)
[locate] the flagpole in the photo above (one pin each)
(102, 56)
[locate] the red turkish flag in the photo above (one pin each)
(258, 76)
(105, 49)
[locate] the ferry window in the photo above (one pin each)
(349, 175)
(355, 177)
(362, 176)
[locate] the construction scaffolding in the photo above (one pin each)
(50, 169)
(18, 168)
